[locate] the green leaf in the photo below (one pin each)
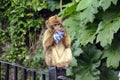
(69, 71)
(106, 3)
(52, 4)
(74, 62)
(106, 30)
(38, 5)
(69, 9)
(84, 34)
(87, 9)
(77, 77)
(77, 0)
(87, 34)
(108, 74)
(72, 26)
(76, 44)
(92, 53)
(71, 22)
(83, 4)
(77, 52)
(112, 54)
(86, 75)
(88, 72)
(114, 2)
(88, 61)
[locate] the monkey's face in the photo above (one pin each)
(56, 26)
(53, 22)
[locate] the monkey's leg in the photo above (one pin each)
(55, 56)
(51, 57)
(66, 59)
(48, 57)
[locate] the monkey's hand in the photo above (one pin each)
(58, 36)
(63, 30)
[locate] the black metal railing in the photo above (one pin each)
(23, 73)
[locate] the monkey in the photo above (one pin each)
(56, 54)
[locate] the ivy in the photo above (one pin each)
(21, 20)
(37, 5)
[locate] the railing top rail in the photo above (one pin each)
(63, 78)
(28, 69)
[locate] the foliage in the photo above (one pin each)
(88, 63)
(94, 26)
(108, 74)
(93, 22)
(112, 54)
(20, 22)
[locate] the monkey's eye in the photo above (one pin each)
(56, 24)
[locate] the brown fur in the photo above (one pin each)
(58, 55)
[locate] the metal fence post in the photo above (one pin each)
(7, 72)
(0, 70)
(24, 74)
(15, 73)
(54, 73)
(34, 75)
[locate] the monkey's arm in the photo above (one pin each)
(66, 39)
(48, 39)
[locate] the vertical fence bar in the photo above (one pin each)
(34, 75)
(62, 78)
(24, 74)
(61, 74)
(52, 75)
(15, 73)
(0, 71)
(7, 72)
(57, 74)
(42, 76)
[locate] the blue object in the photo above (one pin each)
(58, 36)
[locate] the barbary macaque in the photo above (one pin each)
(56, 44)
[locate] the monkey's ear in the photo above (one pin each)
(46, 22)
(56, 16)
